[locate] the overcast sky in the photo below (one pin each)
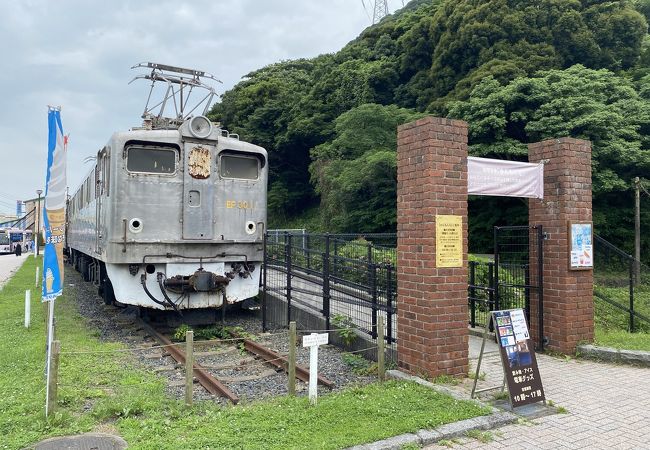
(78, 54)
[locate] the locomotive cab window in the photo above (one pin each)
(239, 166)
(151, 160)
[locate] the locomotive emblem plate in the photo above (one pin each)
(199, 162)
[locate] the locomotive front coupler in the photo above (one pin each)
(199, 281)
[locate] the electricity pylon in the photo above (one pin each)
(379, 9)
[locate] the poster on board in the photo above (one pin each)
(581, 249)
(518, 357)
(449, 241)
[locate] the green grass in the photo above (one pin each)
(622, 339)
(355, 416)
(481, 436)
(107, 391)
(613, 318)
(612, 324)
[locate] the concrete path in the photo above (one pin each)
(608, 406)
(9, 264)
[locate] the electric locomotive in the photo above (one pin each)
(172, 215)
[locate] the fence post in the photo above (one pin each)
(381, 366)
(472, 293)
(496, 270)
(54, 376)
(373, 292)
(526, 268)
(491, 291)
(369, 250)
(287, 253)
(307, 246)
(264, 279)
(189, 363)
(291, 370)
(326, 282)
(335, 269)
(38, 268)
(28, 307)
(540, 285)
(632, 266)
(389, 301)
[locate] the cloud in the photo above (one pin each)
(78, 54)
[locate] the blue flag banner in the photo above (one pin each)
(54, 207)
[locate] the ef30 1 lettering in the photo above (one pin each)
(239, 204)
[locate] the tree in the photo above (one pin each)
(356, 172)
(469, 35)
(596, 105)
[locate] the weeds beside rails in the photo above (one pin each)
(103, 387)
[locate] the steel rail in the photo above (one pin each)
(207, 380)
(281, 362)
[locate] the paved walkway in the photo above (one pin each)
(608, 406)
(9, 264)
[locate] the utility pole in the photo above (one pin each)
(637, 230)
(38, 220)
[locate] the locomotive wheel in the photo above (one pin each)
(107, 293)
(103, 278)
(85, 269)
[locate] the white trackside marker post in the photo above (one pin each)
(28, 307)
(313, 341)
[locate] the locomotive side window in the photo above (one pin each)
(242, 167)
(151, 160)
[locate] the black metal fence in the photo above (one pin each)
(346, 279)
(514, 279)
(481, 289)
(621, 289)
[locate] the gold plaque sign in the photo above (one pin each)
(199, 163)
(449, 241)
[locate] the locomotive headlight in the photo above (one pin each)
(135, 225)
(200, 127)
(250, 227)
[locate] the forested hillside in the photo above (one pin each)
(517, 71)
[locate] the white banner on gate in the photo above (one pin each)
(504, 178)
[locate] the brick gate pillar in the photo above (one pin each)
(432, 335)
(568, 306)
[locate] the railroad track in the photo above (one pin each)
(204, 373)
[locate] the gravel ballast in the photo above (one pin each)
(115, 324)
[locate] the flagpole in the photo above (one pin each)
(54, 227)
(50, 338)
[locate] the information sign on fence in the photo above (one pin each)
(581, 255)
(449, 241)
(518, 357)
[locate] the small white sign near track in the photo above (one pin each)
(315, 339)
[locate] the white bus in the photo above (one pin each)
(11, 237)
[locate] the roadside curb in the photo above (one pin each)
(631, 357)
(497, 419)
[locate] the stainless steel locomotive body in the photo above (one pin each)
(172, 218)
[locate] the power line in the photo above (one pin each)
(643, 188)
(365, 8)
